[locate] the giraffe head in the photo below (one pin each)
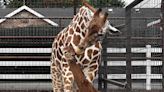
(95, 27)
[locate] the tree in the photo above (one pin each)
(108, 3)
(63, 3)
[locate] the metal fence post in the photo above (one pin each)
(162, 29)
(128, 44)
(74, 6)
(128, 50)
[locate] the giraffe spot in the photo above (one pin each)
(65, 65)
(62, 37)
(92, 68)
(64, 60)
(70, 78)
(89, 53)
(82, 26)
(76, 39)
(68, 40)
(85, 66)
(66, 35)
(78, 29)
(95, 52)
(58, 76)
(81, 11)
(95, 58)
(93, 62)
(53, 64)
(75, 19)
(58, 55)
(53, 71)
(84, 13)
(97, 45)
(85, 61)
(68, 74)
(71, 31)
(60, 52)
(75, 26)
(56, 44)
(85, 18)
(81, 19)
(60, 43)
(58, 37)
(83, 34)
(63, 72)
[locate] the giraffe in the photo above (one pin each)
(87, 49)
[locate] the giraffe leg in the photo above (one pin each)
(90, 72)
(56, 80)
(68, 79)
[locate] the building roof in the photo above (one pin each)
(24, 7)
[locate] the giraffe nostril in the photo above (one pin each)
(81, 47)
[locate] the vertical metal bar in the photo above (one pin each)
(102, 86)
(75, 6)
(105, 69)
(128, 49)
(100, 80)
(162, 30)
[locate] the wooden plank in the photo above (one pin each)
(25, 63)
(134, 63)
(25, 50)
(25, 76)
(48, 76)
(25, 58)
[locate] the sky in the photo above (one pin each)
(146, 3)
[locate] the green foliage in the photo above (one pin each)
(64, 3)
(15, 3)
(109, 3)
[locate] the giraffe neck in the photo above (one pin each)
(79, 26)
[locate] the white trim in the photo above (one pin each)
(25, 76)
(25, 50)
(134, 50)
(25, 63)
(48, 76)
(24, 7)
(134, 63)
(134, 76)
(153, 23)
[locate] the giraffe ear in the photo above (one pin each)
(97, 13)
(105, 16)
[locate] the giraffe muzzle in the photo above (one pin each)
(79, 50)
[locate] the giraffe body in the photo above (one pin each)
(79, 33)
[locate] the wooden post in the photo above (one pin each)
(148, 67)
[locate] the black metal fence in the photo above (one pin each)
(132, 61)
(25, 56)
